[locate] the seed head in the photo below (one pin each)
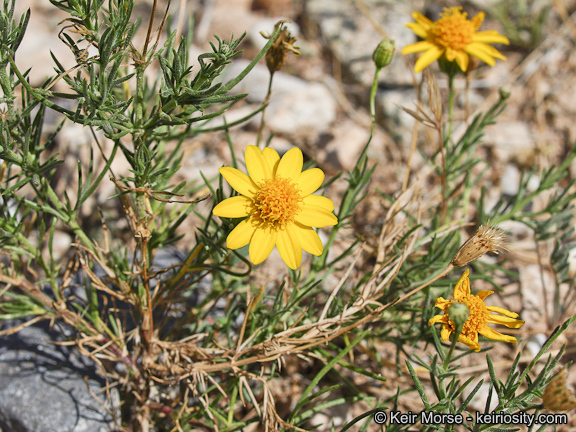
(556, 395)
(276, 55)
(485, 239)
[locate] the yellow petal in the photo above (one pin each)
(309, 181)
(478, 20)
(472, 344)
(450, 54)
(241, 235)
(309, 239)
(261, 244)
(290, 165)
(488, 50)
(419, 29)
(256, 164)
(239, 181)
(417, 47)
(505, 321)
(462, 288)
(483, 294)
(315, 216)
(428, 58)
(502, 311)
(422, 20)
(319, 201)
(490, 333)
(476, 50)
(288, 244)
(272, 157)
(462, 60)
(490, 36)
(235, 207)
(446, 332)
(442, 303)
(438, 319)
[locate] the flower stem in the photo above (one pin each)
(451, 94)
(265, 103)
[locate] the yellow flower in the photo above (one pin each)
(480, 316)
(277, 198)
(455, 37)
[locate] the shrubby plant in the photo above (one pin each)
(177, 364)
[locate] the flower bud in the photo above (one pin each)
(383, 53)
(458, 314)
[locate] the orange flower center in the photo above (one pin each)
(277, 202)
(478, 317)
(453, 30)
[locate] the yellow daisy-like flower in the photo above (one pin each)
(277, 198)
(480, 316)
(455, 37)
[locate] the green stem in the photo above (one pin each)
(451, 94)
(373, 100)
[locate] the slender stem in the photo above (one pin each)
(373, 100)
(451, 94)
(265, 104)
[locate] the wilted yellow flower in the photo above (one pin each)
(455, 37)
(277, 198)
(556, 395)
(480, 316)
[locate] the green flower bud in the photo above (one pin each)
(458, 313)
(383, 53)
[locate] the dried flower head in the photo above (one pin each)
(556, 395)
(485, 239)
(276, 55)
(455, 38)
(479, 316)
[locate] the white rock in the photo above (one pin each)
(535, 343)
(296, 106)
(478, 402)
(510, 181)
(511, 140)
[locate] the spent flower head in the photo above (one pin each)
(485, 239)
(455, 37)
(276, 55)
(276, 199)
(556, 395)
(478, 319)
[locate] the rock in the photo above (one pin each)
(398, 123)
(352, 39)
(511, 140)
(510, 181)
(296, 107)
(43, 387)
(478, 402)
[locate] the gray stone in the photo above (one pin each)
(352, 39)
(296, 106)
(388, 113)
(43, 387)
